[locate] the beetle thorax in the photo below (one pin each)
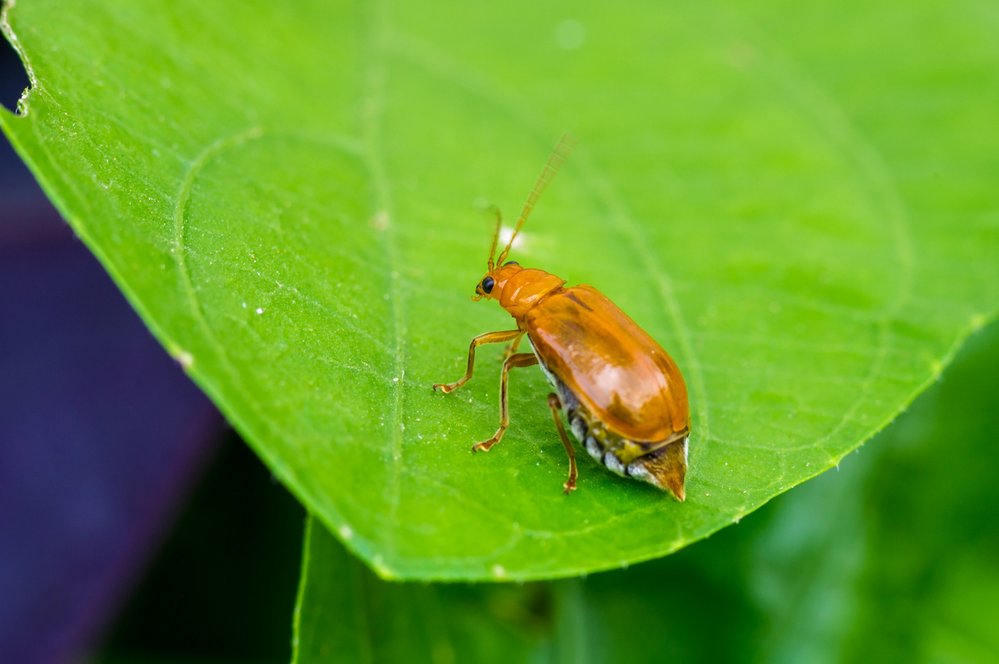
(518, 289)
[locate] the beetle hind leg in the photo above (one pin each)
(556, 407)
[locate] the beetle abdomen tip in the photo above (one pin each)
(665, 468)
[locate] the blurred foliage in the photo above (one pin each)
(891, 558)
(223, 585)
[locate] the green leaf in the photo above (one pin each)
(797, 202)
(346, 614)
(890, 559)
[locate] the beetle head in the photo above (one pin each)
(492, 284)
(515, 288)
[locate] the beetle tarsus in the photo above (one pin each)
(486, 445)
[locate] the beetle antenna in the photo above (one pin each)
(555, 159)
(491, 263)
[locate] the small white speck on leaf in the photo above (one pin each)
(259, 310)
(381, 220)
(742, 55)
(345, 532)
(184, 358)
(498, 572)
(570, 34)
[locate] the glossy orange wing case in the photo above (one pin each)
(612, 366)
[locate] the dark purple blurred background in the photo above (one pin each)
(102, 438)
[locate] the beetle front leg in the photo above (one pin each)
(487, 338)
(518, 360)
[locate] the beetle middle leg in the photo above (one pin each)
(512, 348)
(487, 338)
(518, 360)
(556, 406)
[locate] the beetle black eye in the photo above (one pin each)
(511, 263)
(487, 285)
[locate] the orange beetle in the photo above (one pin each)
(623, 396)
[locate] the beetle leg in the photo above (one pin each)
(487, 338)
(512, 348)
(556, 406)
(518, 360)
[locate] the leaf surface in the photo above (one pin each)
(800, 211)
(888, 559)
